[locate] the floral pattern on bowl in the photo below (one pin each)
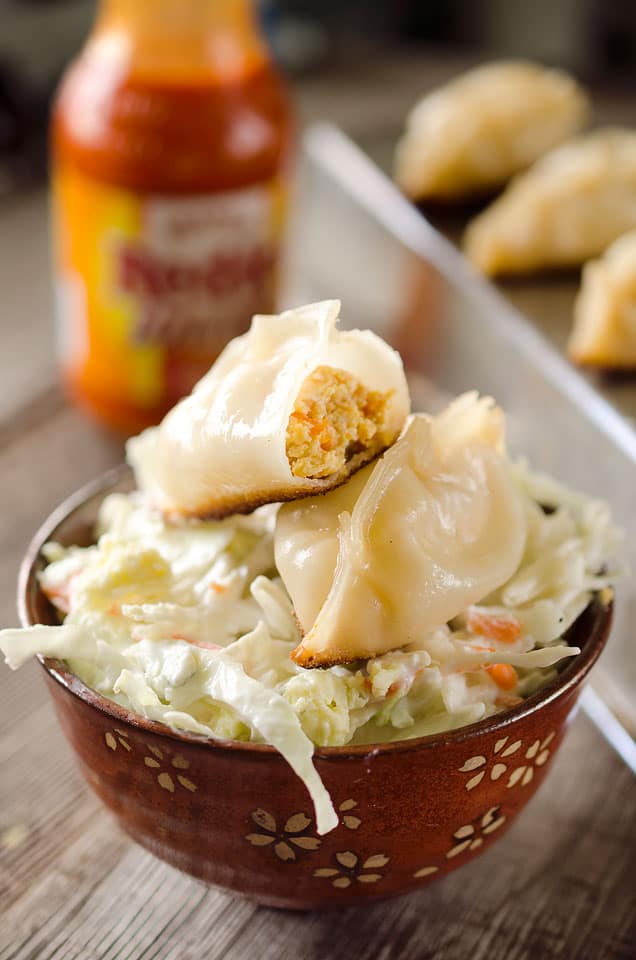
(234, 814)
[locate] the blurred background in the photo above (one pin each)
(379, 55)
(357, 64)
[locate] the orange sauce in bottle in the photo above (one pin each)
(170, 144)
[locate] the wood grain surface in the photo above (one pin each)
(560, 884)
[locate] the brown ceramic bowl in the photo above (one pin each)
(235, 815)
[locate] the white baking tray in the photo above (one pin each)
(356, 238)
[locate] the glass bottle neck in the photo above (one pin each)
(179, 38)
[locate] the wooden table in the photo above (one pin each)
(72, 885)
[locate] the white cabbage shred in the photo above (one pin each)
(190, 625)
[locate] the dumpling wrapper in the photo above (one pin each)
(568, 207)
(224, 448)
(409, 543)
(604, 332)
(477, 131)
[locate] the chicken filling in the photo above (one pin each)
(335, 417)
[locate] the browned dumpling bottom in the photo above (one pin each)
(335, 417)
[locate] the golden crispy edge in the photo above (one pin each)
(317, 661)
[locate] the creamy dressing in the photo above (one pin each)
(190, 625)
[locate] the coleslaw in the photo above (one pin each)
(190, 625)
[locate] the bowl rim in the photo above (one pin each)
(570, 677)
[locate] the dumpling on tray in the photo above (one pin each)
(570, 206)
(290, 409)
(435, 525)
(477, 131)
(604, 333)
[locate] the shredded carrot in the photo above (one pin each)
(402, 684)
(303, 417)
(217, 587)
(195, 643)
(503, 629)
(316, 427)
(202, 644)
(327, 439)
(114, 610)
(504, 675)
(59, 597)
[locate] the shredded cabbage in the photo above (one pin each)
(191, 625)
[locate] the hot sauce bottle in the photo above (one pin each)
(170, 142)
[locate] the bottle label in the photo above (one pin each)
(151, 288)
